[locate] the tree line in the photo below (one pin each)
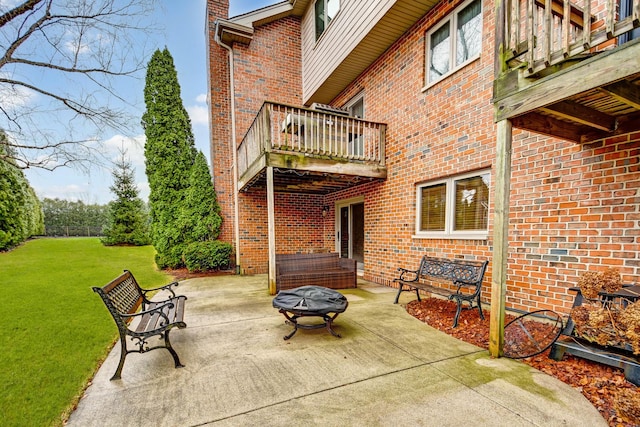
(183, 219)
(65, 218)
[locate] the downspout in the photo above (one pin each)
(234, 147)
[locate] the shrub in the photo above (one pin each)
(171, 258)
(205, 256)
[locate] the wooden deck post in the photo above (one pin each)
(271, 227)
(500, 237)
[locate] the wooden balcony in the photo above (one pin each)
(310, 151)
(569, 69)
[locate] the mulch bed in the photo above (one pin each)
(602, 385)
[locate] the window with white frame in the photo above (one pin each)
(456, 207)
(455, 42)
(355, 106)
(325, 11)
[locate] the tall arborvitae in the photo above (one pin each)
(170, 152)
(200, 219)
(126, 216)
(20, 210)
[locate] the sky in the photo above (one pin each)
(182, 25)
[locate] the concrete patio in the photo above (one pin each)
(388, 369)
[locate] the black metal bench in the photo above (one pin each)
(126, 301)
(466, 277)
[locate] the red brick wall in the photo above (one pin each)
(573, 207)
(220, 133)
(269, 68)
(299, 227)
(445, 130)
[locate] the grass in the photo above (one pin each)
(55, 330)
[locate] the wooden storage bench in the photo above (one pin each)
(126, 301)
(466, 276)
(322, 269)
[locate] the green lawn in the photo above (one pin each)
(55, 329)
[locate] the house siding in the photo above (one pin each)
(350, 26)
(574, 207)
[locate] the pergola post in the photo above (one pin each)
(500, 237)
(271, 231)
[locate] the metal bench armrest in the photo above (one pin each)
(404, 272)
(157, 309)
(167, 287)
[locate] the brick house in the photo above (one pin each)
(376, 130)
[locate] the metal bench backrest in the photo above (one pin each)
(456, 270)
(122, 295)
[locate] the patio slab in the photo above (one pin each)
(387, 369)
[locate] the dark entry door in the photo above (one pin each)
(352, 232)
(357, 232)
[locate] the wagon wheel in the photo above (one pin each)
(525, 336)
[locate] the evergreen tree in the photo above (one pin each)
(127, 218)
(20, 210)
(200, 218)
(170, 152)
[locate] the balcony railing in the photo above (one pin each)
(283, 129)
(542, 33)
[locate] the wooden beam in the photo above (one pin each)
(502, 187)
(581, 114)
(576, 15)
(271, 231)
(548, 125)
(501, 42)
(626, 124)
(625, 92)
(324, 164)
(600, 70)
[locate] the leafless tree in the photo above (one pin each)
(59, 62)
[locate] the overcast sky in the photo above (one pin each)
(183, 25)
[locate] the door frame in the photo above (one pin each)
(339, 204)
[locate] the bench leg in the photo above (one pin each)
(480, 307)
(123, 355)
(176, 360)
(400, 289)
(458, 310)
(399, 292)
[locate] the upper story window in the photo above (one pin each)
(355, 106)
(325, 11)
(455, 42)
(625, 10)
(456, 207)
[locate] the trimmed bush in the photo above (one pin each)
(171, 258)
(206, 256)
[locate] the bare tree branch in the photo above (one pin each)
(18, 10)
(60, 61)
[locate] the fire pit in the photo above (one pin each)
(310, 301)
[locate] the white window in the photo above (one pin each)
(456, 207)
(455, 42)
(355, 106)
(325, 11)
